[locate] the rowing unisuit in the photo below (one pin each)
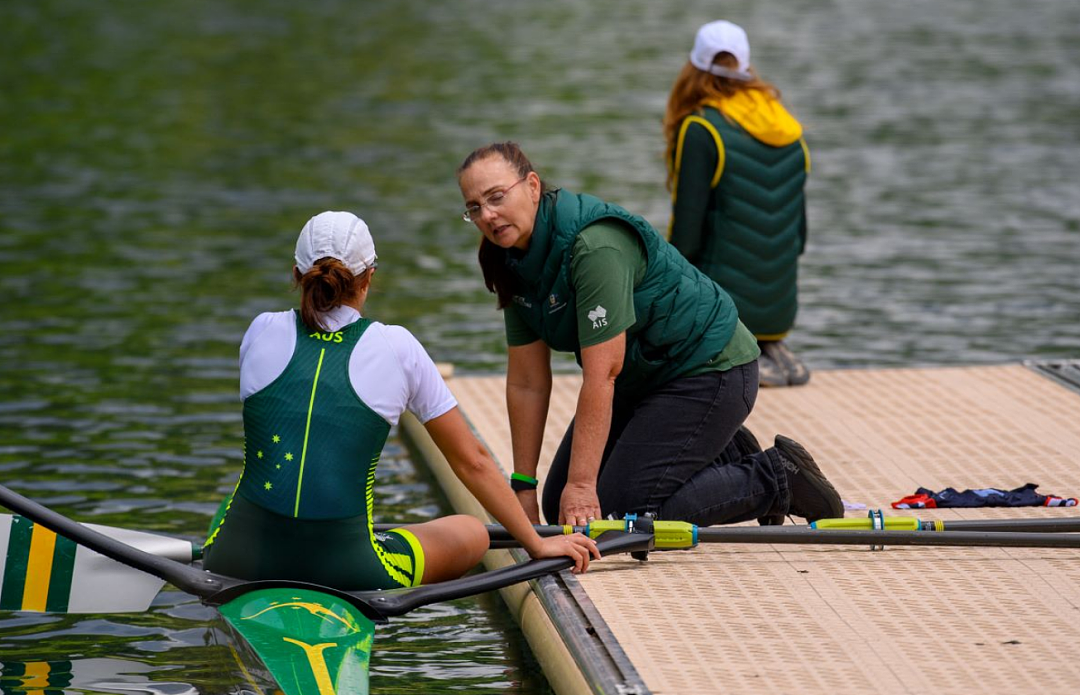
(318, 406)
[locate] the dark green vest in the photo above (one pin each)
(684, 319)
(757, 227)
(310, 444)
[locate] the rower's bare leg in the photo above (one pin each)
(452, 545)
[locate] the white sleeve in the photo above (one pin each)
(266, 350)
(430, 396)
(391, 372)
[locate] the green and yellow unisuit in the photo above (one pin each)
(303, 506)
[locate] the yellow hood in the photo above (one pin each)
(760, 115)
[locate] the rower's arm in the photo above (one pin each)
(473, 465)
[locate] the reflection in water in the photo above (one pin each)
(86, 676)
(157, 162)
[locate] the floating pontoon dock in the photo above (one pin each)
(831, 619)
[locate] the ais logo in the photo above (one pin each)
(598, 316)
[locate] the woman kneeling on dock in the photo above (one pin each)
(669, 373)
(321, 388)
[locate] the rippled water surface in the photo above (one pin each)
(158, 159)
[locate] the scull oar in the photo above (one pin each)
(675, 535)
(909, 523)
(216, 589)
(312, 638)
(41, 571)
(317, 639)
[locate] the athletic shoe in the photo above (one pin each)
(770, 373)
(812, 496)
(795, 372)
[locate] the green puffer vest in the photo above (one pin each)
(683, 320)
(757, 222)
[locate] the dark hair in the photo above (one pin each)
(497, 277)
(328, 285)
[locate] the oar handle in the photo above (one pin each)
(669, 535)
(387, 604)
(501, 538)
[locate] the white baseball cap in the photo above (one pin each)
(718, 37)
(340, 235)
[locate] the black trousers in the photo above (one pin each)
(673, 454)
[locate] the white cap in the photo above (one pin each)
(340, 235)
(718, 37)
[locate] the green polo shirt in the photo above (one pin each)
(607, 262)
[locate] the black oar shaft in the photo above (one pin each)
(987, 532)
(1060, 525)
(187, 578)
(988, 535)
(807, 536)
(400, 601)
(217, 589)
(500, 537)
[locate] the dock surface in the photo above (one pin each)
(836, 619)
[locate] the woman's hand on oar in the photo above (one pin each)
(576, 546)
(579, 504)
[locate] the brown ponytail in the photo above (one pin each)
(497, 277)
(325, 287)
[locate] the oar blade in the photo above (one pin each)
(45, 572)
(312, 643)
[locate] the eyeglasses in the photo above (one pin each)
(495, 200)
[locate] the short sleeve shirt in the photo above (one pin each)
(389, 369)
(607, 261)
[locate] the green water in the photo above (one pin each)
(158, 159)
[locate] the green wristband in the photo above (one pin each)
(520, 482)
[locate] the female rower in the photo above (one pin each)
(669, 373)
(321, 388)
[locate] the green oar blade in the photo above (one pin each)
(311, 642)
(43, 571)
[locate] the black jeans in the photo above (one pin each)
(671, 454)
